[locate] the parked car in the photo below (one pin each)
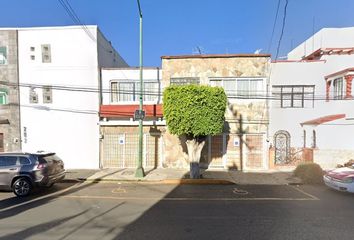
(21, 172)
(341, 179)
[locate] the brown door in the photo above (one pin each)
(1, 142)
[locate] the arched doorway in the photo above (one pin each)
(282, 147)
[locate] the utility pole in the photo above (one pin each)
(139, 173)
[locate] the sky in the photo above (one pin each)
(180, 27)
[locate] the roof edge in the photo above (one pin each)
(216, 56)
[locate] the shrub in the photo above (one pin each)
(310, 173)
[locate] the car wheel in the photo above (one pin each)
(22, 187)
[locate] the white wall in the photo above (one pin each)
(289, 119)
(107, 56)
(130, 74)
(325, 38)
(69, 125)
(329, 136)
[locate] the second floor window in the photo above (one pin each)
(294, 96)
(3, 55)
(46, 53)
(241, 87)
(3, 96)
(129, 91)
(338, 89)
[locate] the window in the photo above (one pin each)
(7, 161)
(338, 90)
(185, 81)
(314, 144)
(46, 53)
(32, 49)
(294, 96)
(3, 55)
(247, 87)
(304, 137)
(3, 96)
(47, 94)
(33, 96)
(33, 57)
(128, 91)
(24, 161)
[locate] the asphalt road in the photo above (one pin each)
(148, 211)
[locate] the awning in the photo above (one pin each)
(324, 119)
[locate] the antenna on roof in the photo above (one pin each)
(198, 50)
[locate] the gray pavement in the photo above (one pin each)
(140, 210)
(180, 176)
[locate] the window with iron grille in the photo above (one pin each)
(243, 87)
(3, 55)
(185, 81)
(129, 91)
(47, 94)
(293, 96)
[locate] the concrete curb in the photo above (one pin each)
(148, 181)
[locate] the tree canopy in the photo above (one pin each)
(194, 110)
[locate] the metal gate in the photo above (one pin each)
(121, 150)
(254, 147)
(282, 147)
(232, 150)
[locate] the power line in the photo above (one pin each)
(72, 14)
(274, 24)
(70, 11)
(282, 28)
(236, 94)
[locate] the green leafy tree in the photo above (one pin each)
(194, 112)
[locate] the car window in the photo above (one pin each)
(24, 161)
(2, 161)
(8, 161)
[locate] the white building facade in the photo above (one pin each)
(59, 82)
(312, 102)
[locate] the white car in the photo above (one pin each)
(341, 179)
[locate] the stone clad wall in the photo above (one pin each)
(206, 68)
(8, 76)
(246, 116)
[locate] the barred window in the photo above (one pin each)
(244, 87)
(293, 96)
(129, 91)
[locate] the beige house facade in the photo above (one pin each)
(243, 143)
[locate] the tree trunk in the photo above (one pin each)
(195, 146)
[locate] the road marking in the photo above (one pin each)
(240, 191)
(303, 192)
(51, 195)
(119, 190)
(186, 199)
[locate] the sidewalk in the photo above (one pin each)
(181, 176)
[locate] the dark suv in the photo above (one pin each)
(23, 171)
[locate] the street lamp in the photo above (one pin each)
(139, 173)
